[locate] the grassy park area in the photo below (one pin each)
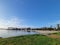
(35, 39)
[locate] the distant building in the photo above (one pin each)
(58, 26)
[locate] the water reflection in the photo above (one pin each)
(11, 33)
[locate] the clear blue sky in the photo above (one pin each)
(33, 12)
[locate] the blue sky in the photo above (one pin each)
(30, 13)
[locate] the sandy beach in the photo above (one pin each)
(45, 32)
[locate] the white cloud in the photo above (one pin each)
(13, 22)
(7, 19)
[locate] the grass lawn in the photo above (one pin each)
(58, 33)
(30, 40)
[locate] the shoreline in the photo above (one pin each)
(45, 32)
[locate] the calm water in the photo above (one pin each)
(11, 33)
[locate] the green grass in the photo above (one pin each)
(30, 40)
(58, 33)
